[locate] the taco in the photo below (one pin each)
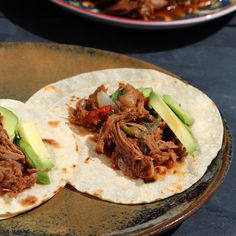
(111, 178)
(34, 159)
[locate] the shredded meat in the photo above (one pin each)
(131, 160)
(137, 141)
(13, 178)
(133, 101)
(105, 136)
(15, 174)
(8, 150)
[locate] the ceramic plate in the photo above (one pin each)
(26, 67)
(221, 8)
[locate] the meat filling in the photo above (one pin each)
(135, 139)
(15, 174)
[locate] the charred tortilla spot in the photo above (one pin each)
(54, 123)
(76, 143)
(30, 200)
(73, 166)
(52, 142)
(86, 161)
(64, 170)
(76, 147)
(50, 88)
(98, 193)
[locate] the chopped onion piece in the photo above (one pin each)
(104, 100)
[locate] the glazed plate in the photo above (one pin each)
(221, 8)
(26, 67)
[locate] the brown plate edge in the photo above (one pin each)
(70, 47)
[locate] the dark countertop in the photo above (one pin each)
(204, 55)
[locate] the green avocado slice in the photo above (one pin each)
(183, 115)
(34, 160)
(146, 91)
(174, 123)
(35, 150)
(9, 122)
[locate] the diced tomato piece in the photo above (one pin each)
(95, 116)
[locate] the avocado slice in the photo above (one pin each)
(183, 115)
(146, 91)
(34, 160)
(174, 123)
(9, 122)
(34, 148)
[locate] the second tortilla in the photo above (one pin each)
(94, 174)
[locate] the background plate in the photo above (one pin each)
(26, 67)
(224, 7)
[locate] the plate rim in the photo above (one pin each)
(141, 24)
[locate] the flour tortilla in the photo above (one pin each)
(64, 160)
(94, 174)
